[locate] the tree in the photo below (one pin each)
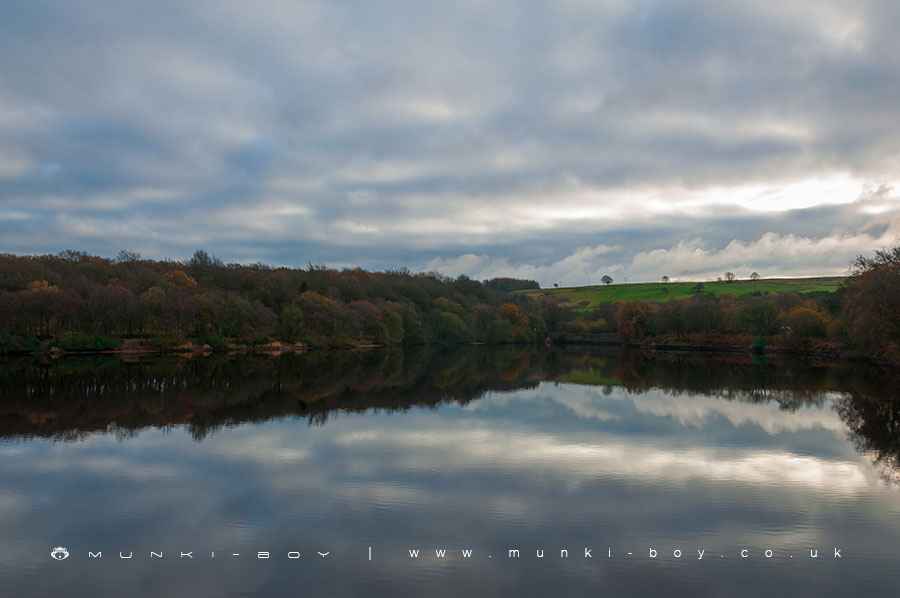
(754, 276)
(500, 331)
(71, 255)
(511, 312)
(806, 321)
(872, 303)
(633, 320)
(759, 317)
(730, 277)
(180, 278)
(202, 262)
(450, 328)
(511, 284)
(126, 257)
(665, 278)
(291, 322)
(607, 279)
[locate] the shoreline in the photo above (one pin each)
(809, 349)
(828, 351)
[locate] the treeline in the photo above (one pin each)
(77, 301)
(863, 315)
(809, 316)
(512, 284)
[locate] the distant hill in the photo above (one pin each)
(667, 291)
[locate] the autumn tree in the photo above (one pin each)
(872, 303)
(634, 320)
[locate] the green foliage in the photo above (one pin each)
(759, 344)
(449, 328)
(291, 322)
(414, 330)
(76, 341)
(790, 317)
(760, 317)
(393, 325)
(217, 342)
(11, 343)
(500, 331)
(511, 284)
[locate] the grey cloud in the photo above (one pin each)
(404, 134)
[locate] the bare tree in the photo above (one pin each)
(730, 277)
(754, 276)
(126, 257)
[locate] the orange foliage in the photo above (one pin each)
(182, 279)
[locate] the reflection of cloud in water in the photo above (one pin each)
(695, 410)
(614, 457)
(577, 399)
(585, 407)
(381, 494)
(587, 402)
(104, 465)
(11, 505)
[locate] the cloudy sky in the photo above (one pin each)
(555, 140)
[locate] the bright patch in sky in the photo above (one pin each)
(487, 139)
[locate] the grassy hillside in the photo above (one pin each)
(658, 291)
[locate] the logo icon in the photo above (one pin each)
(60, 553)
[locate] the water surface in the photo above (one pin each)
(481, 450)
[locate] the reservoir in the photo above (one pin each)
(447, 473)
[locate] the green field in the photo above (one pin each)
(659, 291)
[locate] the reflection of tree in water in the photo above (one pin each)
(72, 398)
(872, 414)
(69, 399)
(733, 377)
(867, 398)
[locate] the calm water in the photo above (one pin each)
(481, 450)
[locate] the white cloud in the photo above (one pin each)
(583, 265)
(771, 254)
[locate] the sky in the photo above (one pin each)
(558, 141)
